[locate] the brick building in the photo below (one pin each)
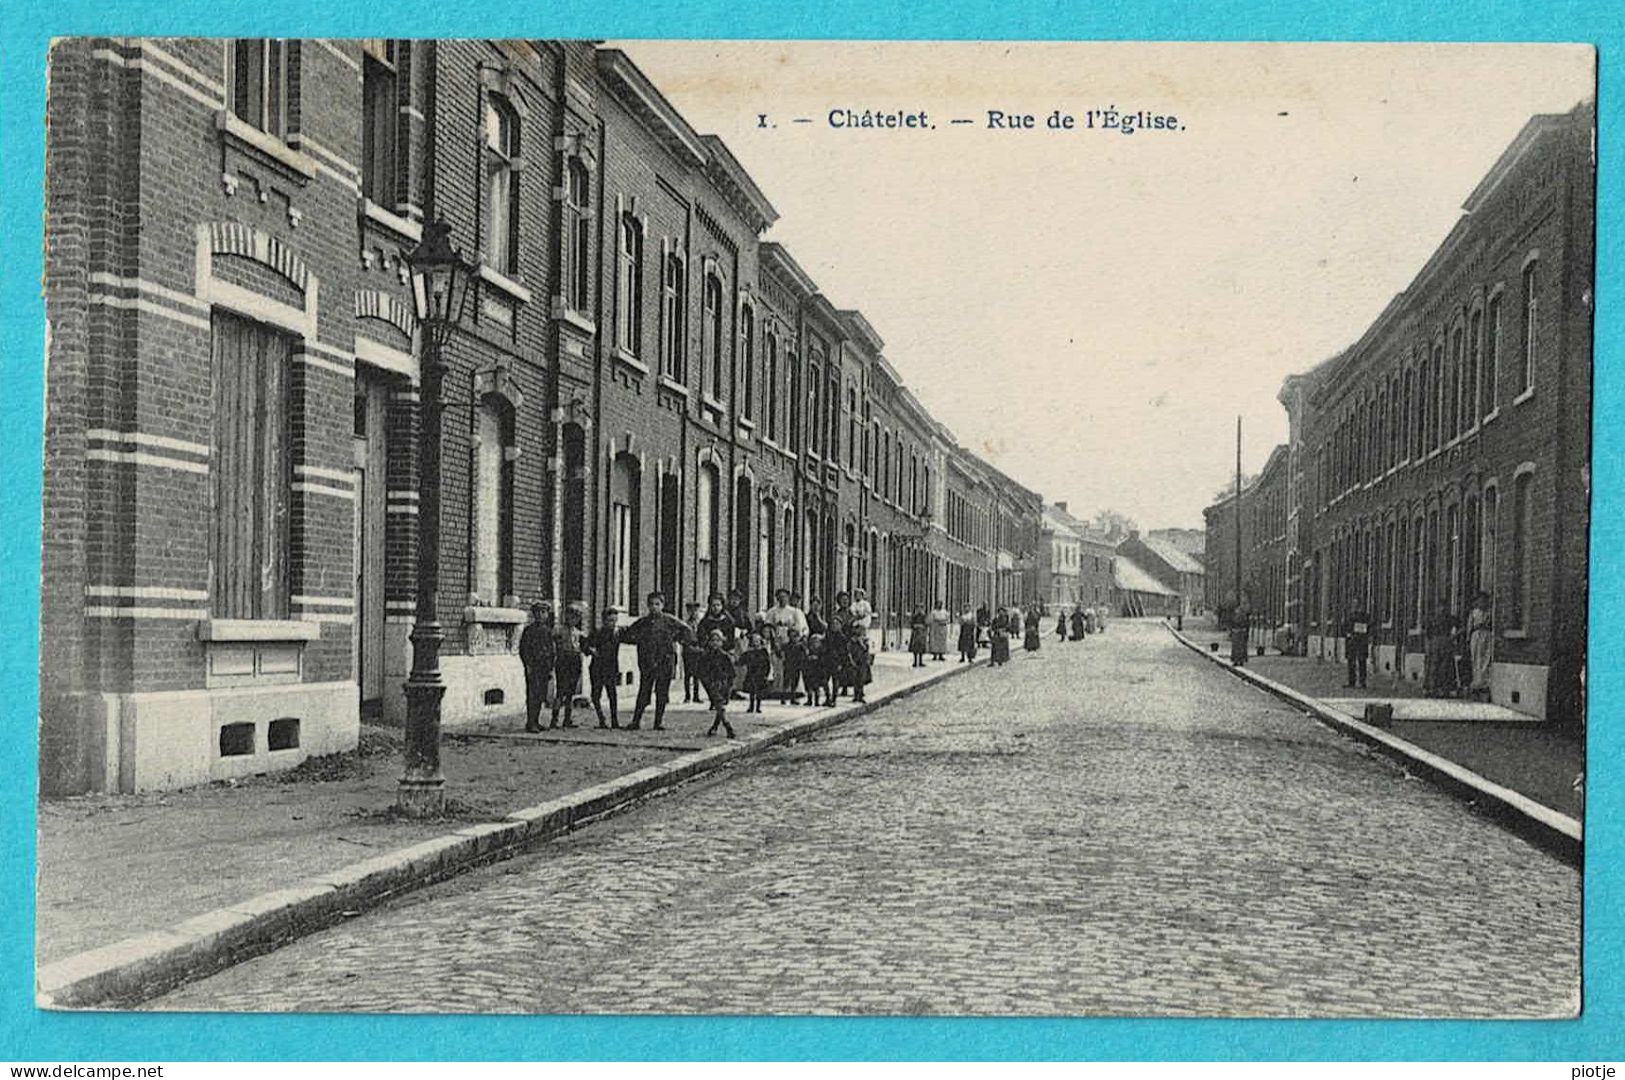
(1447, 451)
(642, 393)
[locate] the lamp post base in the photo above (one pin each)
(421, 798)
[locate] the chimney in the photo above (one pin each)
(1061, 506)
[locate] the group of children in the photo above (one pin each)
(724, 654)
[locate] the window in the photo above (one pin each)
(711, 334)
(885, 464)
(1519, 586)
(251, 473)
(625, 497)
(1419, 571)
(629, 288)
(258, 80)
(1531, 326)
(1453, 397)
(925, 492)
(501, 188)
(851, 428)
(705, 535)
(379, 117)
(493, 501)
(1436, 398)
(1492, 357)
(814, 424)
(672, 315)
(747, 355)
(1472, 393)
(578, 235)
(772, 382)
(1488, 546)
(1452, 545)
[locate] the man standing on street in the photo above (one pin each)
(1357, 645)
(656, 636)
(536, 652)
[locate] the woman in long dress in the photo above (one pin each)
(1480, 636)
(999, 638)
(1030, 640)
(937, 646)
(917, 635)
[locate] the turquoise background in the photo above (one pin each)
(27, 1034)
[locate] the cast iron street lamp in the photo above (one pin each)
(440, 280)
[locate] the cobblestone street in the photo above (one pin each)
(1114, 826)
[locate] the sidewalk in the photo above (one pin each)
(112, 867)
(1512, 749)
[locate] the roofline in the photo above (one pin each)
(626, 78)
(723, 160)
(779, 260)
(865, 331)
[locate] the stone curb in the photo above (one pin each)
(128, 972)
(1548, 829)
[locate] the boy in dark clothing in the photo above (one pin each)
(794, 654)
(657, 636)
(567, 666)
(536, 651)
(857, 663)
(717, 675)
(691, 680)
(758, 666)
(604, 671)
(815, 673)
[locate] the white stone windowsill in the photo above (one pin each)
(258, 630)
(488, 615)
(1515, 635)
(229, 124)
(504, 283)
(396, 224)
(567, 314)
(630, 361)
(1528, 393)
(669, 383)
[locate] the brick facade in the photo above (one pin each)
(598, 399)
(1448, 450)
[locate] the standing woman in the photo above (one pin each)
(999, 638)
(916, 635)
(816, 625)
(967, 637)
(1480, 635)
(1030, 641)
(1060, 625)
(984, 622)
(937, 645)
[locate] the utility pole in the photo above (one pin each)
(1238, 514)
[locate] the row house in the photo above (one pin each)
(1447, 452)
(641, 393)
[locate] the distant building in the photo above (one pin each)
(1136, 591)
(1175, 568)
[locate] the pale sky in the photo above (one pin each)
(1088, 310)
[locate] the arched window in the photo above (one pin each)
(1531, 326)
(1454, 424)
(493, 501)
(772, 382)
(1490, 530)
(705, 531)
(711, 343)
(766, 521)
(1492, 357)
(625, 524)
(747, 358)
(885, 465)
(629, 288)
(578, 235)
(501, 186)
(1472, 393)
(673, 315)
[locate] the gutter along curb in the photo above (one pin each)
(1548, 829)
(135, 969)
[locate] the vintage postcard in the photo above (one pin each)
(797, 527)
